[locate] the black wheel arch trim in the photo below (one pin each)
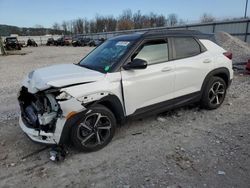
(220, 72)
(113, 103)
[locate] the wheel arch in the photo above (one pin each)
(113, 103)
(219, 72)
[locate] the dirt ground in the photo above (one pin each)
(187, 147)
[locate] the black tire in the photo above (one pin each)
(86, 137)
(214, 93)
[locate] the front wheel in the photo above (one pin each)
(214, 93)
(95, 130)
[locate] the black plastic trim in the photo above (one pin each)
(167, 105)
(217, 72)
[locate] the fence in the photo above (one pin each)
(238, 28)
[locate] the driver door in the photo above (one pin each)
(153, 85)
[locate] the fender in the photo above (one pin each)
(221, 72)
(112, 102)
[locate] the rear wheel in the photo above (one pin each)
(95, 130)
(214, 93)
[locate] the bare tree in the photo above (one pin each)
(205, 18)
(160, 21)
(137, 19)
(64, 27)
(172, 19)
(87, 26)
(92, 26)
(110, 23)
(79, 26)
(125, 21)
(56, 26)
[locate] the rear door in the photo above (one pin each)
(145, 87)
(192, 63)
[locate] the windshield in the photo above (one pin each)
(104, 57)
(11, 39)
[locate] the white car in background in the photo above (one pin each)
(126, 76)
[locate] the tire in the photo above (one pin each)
(90, 135)
(214, 93)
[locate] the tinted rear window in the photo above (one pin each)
(186, 47)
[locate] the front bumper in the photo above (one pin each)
(41, 136)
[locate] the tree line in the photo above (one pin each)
(125, 21)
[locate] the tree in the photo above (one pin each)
(65, 27)
(172, 19)
(137, 19)
(79, 26)
(56, 26)
(206, 18)
(125, 21)
(92, 26)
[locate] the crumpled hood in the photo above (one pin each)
(59, 76)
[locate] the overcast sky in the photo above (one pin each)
(28, 13)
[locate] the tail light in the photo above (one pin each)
(229, 55)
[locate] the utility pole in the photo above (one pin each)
(246, 9)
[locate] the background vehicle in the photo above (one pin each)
(31, 42)
(11, 43)
(50, 41)
(95, 42)
(64, 40)
(127, 76)
(80, 41)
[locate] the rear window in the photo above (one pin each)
(186, 47)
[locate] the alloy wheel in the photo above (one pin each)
(94, 130)
(216, 93)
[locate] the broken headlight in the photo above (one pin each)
(63, 96)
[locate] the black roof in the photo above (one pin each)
(128, 37)
(162, 32)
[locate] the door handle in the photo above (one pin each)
(207, 61)
(166, 69)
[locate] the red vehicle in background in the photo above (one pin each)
(63, 41)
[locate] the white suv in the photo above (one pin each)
(125, 77)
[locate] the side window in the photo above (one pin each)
(153, 52)
(186, 47)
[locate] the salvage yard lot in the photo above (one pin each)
(187, 147)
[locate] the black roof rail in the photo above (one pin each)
(172, 31)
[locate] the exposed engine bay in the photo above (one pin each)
(39, 111)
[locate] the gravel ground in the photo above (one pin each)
(186, 147)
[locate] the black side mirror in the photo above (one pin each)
(136, 64)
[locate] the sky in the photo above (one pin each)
(28, 13)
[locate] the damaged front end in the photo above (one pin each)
(44, 114)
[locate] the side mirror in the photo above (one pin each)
(136, 64)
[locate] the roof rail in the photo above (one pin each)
(172, 31)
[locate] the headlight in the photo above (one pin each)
(63, 96)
